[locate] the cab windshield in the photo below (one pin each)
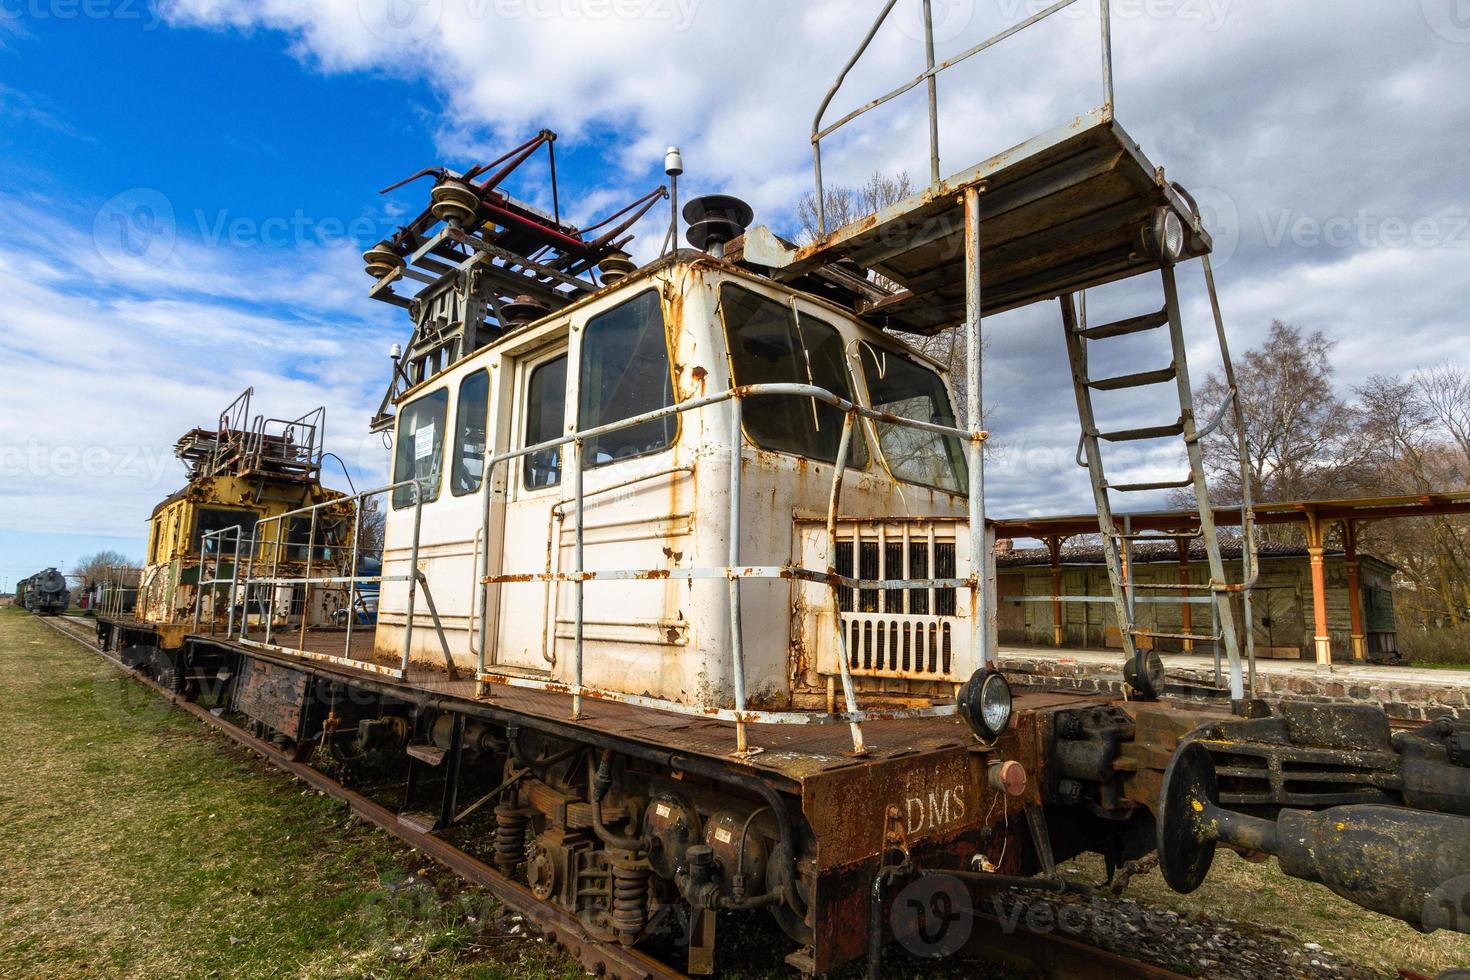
(902, 387)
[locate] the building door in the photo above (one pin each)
(1010, 616)
(1280, 629)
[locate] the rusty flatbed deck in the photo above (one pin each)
(795, 752)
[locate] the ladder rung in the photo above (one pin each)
(1140, 487)
(1174, 636)
(1122, 328)
(422, 822)
(1151, 432)
(431, 754)
(1137, 380)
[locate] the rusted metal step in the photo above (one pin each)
(1148, 432)
(1122, 328)
(1138, 379)
(428, 754)
(1142, 487)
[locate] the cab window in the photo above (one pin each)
(770, 344)
(210, 519)
(546, 412)
(625, 372)
(901, 387)
(468, 468)
(419, 449)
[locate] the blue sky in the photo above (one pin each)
(184, 189)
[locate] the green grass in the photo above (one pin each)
(136, 843)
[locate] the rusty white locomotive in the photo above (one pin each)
(683, 600)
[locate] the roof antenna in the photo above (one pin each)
(673, 166)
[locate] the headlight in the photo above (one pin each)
(1163, 236)
(985, 703)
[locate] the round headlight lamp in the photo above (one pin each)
(985, 704)
(1164, 235)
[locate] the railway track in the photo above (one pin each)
(1025, 952)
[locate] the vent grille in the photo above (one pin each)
(898, 633)
(880, 645)
(926, 559)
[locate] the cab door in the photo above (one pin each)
(533, 494)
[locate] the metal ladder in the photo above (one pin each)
(1145, 674)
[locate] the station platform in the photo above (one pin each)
(1405, 693)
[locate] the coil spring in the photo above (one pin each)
(510, 838)
(630, 899)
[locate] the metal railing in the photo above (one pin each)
(929, 77)
(295, 442)
(212, 546)
(733, 572)
(119, 581)
(1213, 637)
(271, 545)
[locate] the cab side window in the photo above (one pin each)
(625, 372)
(418, 452)
(546, 411)
(468, 469)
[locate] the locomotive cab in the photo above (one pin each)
(252, 482)
(659, 500)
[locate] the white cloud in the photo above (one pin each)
(1313, 110)
(107, 364)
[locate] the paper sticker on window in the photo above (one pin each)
(423, 441)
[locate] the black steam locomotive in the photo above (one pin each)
(44, 593)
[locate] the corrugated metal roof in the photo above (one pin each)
(1157, 552)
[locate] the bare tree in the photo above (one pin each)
(1445, 396)
(1417, 430)
(844, 204)
(1302, 440)
(92, 569)
(373, 528)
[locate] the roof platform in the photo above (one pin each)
(245, 444)
(1061, 212)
